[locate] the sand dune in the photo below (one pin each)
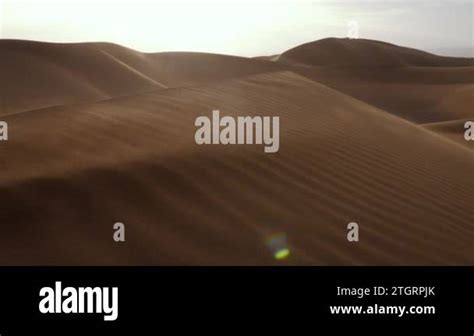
(51, 74)
(453, 130)
(414, 85)
(367, 53)
(409, 83)
(133, 159)
(409, 98)
(57, 74)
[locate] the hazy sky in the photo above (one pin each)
(239, 27)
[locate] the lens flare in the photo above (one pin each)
(282, 254)
(278, 245)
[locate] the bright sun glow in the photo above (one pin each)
(239, 27)
(234, 27)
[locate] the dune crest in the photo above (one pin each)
(134, 160)
(412, 84)
(365, 53)
(52, 74)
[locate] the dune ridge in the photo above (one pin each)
(133, 159)
(52, 74)
(420, 87)
(453, 130)
(365, 53)
(415, 85)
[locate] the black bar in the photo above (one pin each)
(200, 299)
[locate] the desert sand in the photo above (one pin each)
(370, 133)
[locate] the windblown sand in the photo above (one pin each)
(370, 133)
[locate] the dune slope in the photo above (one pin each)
(134, 160)
(368, 53)
(414, 85)
(39, 75)
(453, 130)
(409, 83)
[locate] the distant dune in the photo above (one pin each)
(51, 74)
(369, 53)
(408, 83)
(103, 134)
